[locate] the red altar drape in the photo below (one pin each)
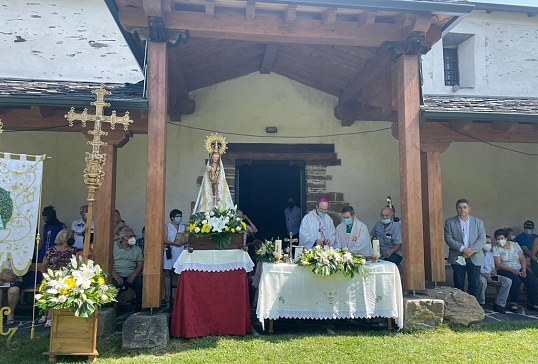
(211, 304)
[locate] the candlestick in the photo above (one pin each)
(375, 247)
(278, 246)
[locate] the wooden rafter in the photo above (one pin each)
(269, 58)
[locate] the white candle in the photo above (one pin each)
(278, 246)
(375, 246)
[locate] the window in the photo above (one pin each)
(452, 69)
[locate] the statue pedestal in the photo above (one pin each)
(205, 242)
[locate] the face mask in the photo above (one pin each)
(487, 247)
(502, 242)
(132, 241)
(291, 205)
(347, 220)
(71, 241)
(528, 231)
(85, 215)
(321, 214)
(512, 237)
(178, 220)
(385, 221)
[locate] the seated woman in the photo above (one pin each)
(58, 257)
(510, 262)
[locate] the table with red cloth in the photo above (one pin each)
(212, 294)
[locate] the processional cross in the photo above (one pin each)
(95, 161)
(290, 241)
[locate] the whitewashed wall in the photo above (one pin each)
(499, 184)
(502, 55)
(75, 40)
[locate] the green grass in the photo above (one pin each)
(513, 342)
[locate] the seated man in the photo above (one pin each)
(488, 274)
(128, 262)
(526, 240)
(389, 234)
(317, 227)
(353, 234)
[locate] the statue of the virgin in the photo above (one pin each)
(214, 191)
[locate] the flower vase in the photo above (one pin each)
(72, 335)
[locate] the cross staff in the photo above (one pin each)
(95, 161)
(290, 240)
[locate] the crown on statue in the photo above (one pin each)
(216, 143)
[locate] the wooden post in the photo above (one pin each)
(410, 191)
(432, 207)
(105, 199)
(105, 203)
(156, 174)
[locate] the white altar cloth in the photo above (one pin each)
(213, 261)
(292, 291)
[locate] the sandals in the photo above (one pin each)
(48, 324)
(10, 322)
(514, 308)
(42, 320)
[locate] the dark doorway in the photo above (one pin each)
(263, 188)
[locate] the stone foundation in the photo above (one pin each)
(106, 322)
(423, 313)
(145, 331)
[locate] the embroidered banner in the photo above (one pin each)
(20, 191)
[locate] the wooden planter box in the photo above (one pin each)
(205, 243)
(71, 335)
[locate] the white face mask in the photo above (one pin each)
(502, 242)
(85, 215)
(487, 247)
(132, 241)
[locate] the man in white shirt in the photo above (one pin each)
(79, 227)
(488, 274)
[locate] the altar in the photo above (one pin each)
(292, 291)
(212, 294)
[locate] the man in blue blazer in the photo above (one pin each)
(465, 236)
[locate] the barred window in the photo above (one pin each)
(452, 70)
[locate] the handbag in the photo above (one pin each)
(7, 275)
(168, 252)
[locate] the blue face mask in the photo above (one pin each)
(347, 220)
(321, 214)
(178, 220)
(528, 231)
(386, 221)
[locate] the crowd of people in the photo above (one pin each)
(474, 256)
(482, 260)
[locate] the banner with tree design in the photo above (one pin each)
(20, 195)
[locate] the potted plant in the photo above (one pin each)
(74, 293)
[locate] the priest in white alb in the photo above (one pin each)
(317, 227)
(353, 234)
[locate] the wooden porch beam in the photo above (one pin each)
(407, 84)
(366, 18)
(267, 29)
(443, 131)
(43, 111)
(461, 125)
(155, 173)
(505, 125)
(328, 17)
(27, 120)
(290, 14)
(365, 76)
(269, 58)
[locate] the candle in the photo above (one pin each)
(278, 246)
(375, 246)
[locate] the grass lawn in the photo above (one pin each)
(513, 342)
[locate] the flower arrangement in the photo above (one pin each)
(79, 286)
(327, 261)
(219, 224)
(265, 252)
